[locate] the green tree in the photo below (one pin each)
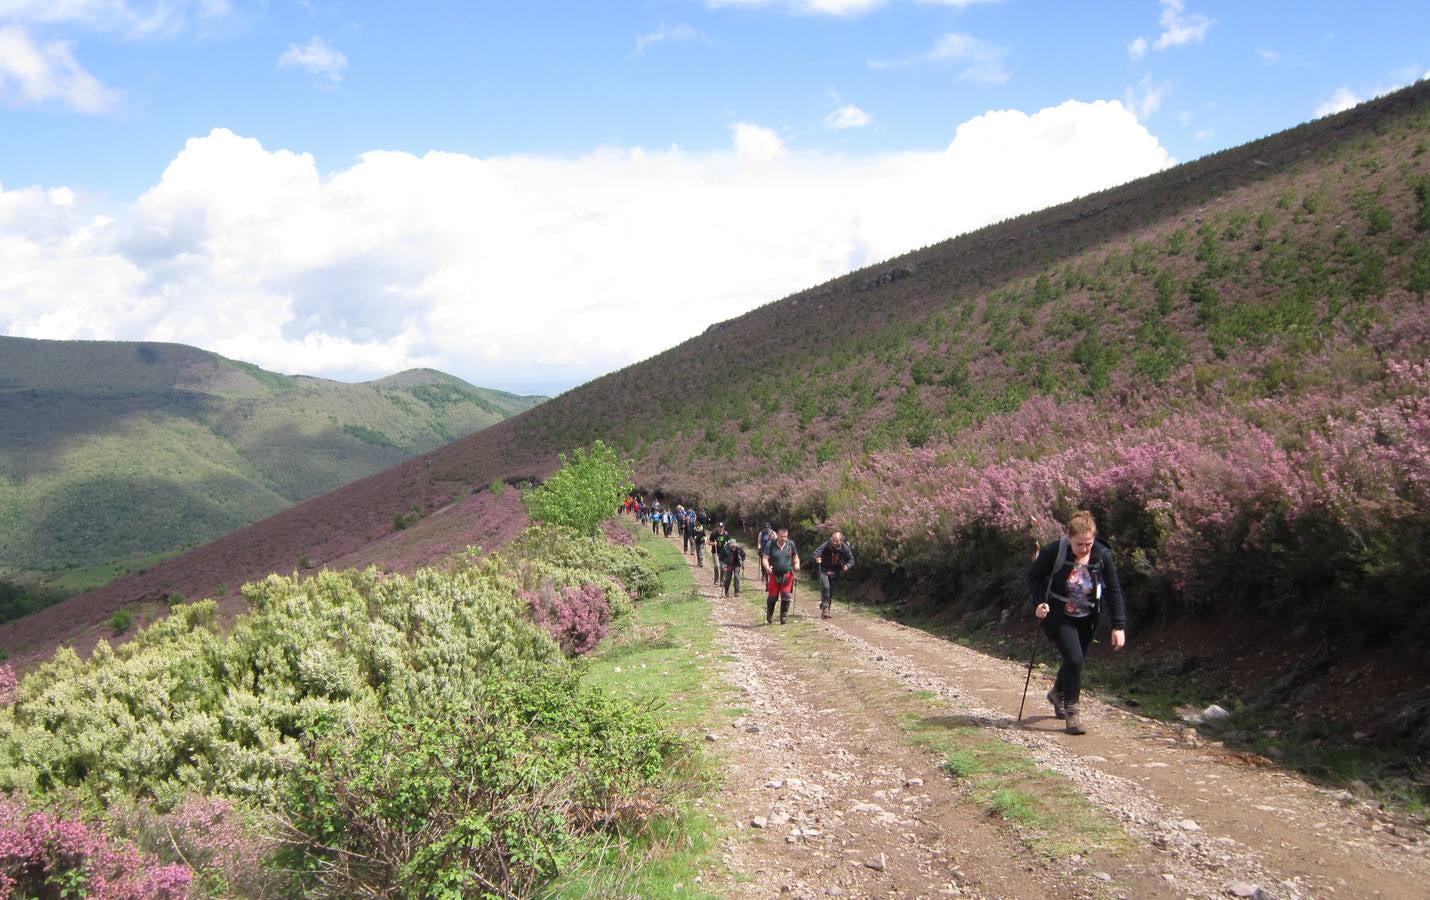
(584, 492)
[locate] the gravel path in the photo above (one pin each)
(825, 795)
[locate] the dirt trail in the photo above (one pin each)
(826, 796)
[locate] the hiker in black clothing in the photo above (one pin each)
(779, 562)
(697, 542)
(734, 563)
(1068, 582)
(718, 537)
(833, 558)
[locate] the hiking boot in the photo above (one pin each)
(824, 613)
(1074, 719)
(1055, 697)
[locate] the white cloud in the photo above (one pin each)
(1145, 98)
(663, 33)
(757, 143)
(1179, 28)
(842, 8)
(847, 116)
(517, 271)
(315, 57)
(1204, 134)
(1343, 99)
(982, 62)
(155, 17)
(33, 73)
(1269, 57)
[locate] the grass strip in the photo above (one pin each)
(663, 656)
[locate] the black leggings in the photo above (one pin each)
(1071, 637)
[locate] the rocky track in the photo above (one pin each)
(826, 795)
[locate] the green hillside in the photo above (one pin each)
(1226, 361)
(126, 450)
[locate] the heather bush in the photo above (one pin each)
(575, 617)
(227, 847)
(617, 533)
(46, 855)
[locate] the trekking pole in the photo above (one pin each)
(1026, 681)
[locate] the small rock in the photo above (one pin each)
(878, 865)
(1214, 716)
(752, 729)
(1189, 825)
(775, 783)
(1276, 753)
(1245, 889)
(1169, 878)
(914, 782)
(1102, 876)
(834, 891)
(711, 737)
(759, 821)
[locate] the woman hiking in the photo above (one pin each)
(1069, 581)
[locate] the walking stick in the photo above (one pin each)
(1026, 681)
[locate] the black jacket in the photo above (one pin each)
(832, 560)
(1100, 565)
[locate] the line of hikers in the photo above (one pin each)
(1070, 581)
(779, 557)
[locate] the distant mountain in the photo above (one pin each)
(114, 453)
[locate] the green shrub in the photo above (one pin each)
(121, 621)
(492, 795)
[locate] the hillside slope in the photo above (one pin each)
(1226, 360)
(125, 450)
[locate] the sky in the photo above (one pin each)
(530, 194)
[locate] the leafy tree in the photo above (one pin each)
(584, 492)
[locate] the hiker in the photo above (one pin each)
(833, 558)
(1068, 583)
(767, 534)
(778, 563)
(734, 562)
(697, 542)
(718, 537)
(667, 522)
(687, 529)
(657, 517)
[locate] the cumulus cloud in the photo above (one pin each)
(315, 57)
(33, 73)
(981, 62)
(1343, 99)
(757, 143)
(847, 116)
(1179, 28)
(525, 272)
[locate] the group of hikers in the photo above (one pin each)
(779, 557)
(1069, 582)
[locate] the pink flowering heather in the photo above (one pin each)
(576, 617)
(9, 685)
(44, 855)
(617, 533)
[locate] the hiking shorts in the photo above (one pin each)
(781, 586)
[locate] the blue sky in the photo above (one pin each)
(206, 170)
